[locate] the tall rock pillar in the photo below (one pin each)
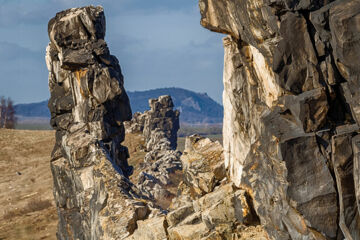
(88, 106)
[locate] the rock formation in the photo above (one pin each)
(88, 105)
(291, 111)
(290, 163)
(159, 127)
(162, 116)
(208, 206)
(203, 163)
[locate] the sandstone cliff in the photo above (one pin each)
(291, 111)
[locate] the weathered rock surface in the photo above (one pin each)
(216, 215)
(291, 111)
(291, 130)
(88, 105)
(162, 116)
(222, 211)
(203, 164)
(159, 126)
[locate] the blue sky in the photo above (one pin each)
(159, 43)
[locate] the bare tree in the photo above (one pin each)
(7, 113)
(2, 111)
(11, 119)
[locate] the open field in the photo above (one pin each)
(27, 207)
(26, 199)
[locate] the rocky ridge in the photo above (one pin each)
(207, 206)
(291, 120)
(95, 198)
(159, 127)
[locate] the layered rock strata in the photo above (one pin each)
(88, 105)
(291, 111)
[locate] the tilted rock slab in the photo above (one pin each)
(88, 106)
(292, 111)
(203, 164)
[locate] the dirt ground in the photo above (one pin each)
(27, 207)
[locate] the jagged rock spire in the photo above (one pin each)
(88, 105)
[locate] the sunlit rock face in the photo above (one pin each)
(88, 105)
(292, 110)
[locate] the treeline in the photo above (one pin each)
(203, 130)
(7, 113)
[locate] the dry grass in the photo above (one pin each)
(27, 209)
(136, 145)
(32, 206)
(26, 199)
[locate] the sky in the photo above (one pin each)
(159, 43)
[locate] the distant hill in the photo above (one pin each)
(38, 110)
(194, 107)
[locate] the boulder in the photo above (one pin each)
(216, 215)
(203, 164)
(150, 229)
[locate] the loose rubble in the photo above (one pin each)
(222, 211)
